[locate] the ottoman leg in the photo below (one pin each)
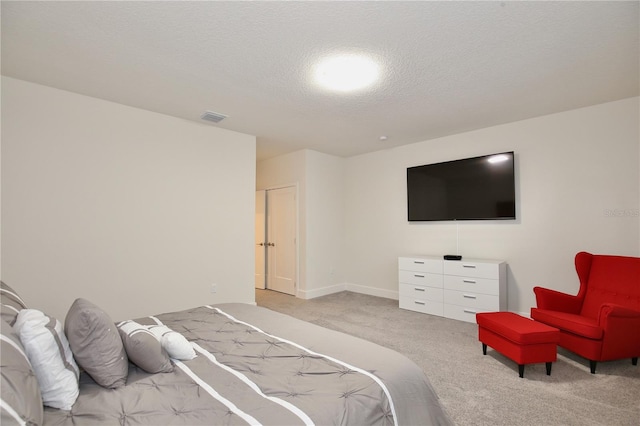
(484, 349)
(548, 368)
(521, 370)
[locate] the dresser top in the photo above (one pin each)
(463, 260)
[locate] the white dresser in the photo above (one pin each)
(455, 289)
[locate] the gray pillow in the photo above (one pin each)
(96, 344)
(10, 303)
(143, 349)
(22, 401)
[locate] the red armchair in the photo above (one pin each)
(602, 322)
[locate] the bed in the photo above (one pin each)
(251, 366)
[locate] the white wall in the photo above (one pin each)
(325, 224)
(136, 211)
(320, 179)
(572, 169)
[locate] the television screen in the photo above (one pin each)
(470, 189)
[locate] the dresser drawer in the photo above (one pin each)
(473, 285)
(433, 266)
(472, 269)
(420, 278)
(421, 292)
(472, 300)
(421, 305)
(462, 313)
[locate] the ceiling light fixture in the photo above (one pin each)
(346, 73)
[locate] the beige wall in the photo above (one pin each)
(325, 219)
(109, 202)
(572, 169)
(139, 212)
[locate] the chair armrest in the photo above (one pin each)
(556, 301)
(612, 310)
(621, 338)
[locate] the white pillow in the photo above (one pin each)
(51, 359)
(176, 345)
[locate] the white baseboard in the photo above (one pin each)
(312, 294)
(372, 291)
(356, 288)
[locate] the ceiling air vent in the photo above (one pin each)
(213, 116)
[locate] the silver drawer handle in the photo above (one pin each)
(418, 276)
(469, 311)
(419, 289)
(469, 281)
(418, 302)
(419, 262)
(468, 266)
(468, 296)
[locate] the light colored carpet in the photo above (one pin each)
(477, 389)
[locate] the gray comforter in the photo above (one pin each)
(256, 366)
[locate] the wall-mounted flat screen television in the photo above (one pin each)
(477, 188)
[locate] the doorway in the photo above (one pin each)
(276, 239)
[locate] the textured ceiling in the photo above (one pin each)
(447, 67)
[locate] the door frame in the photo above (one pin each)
(297, 230)
(262, 275)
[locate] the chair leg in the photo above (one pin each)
(484, 349)
(548, 368)
(634, 360)
(521, 370)
(592, 364)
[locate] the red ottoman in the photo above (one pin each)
(518, 338)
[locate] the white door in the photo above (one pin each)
(261, 239)
(281, 239)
